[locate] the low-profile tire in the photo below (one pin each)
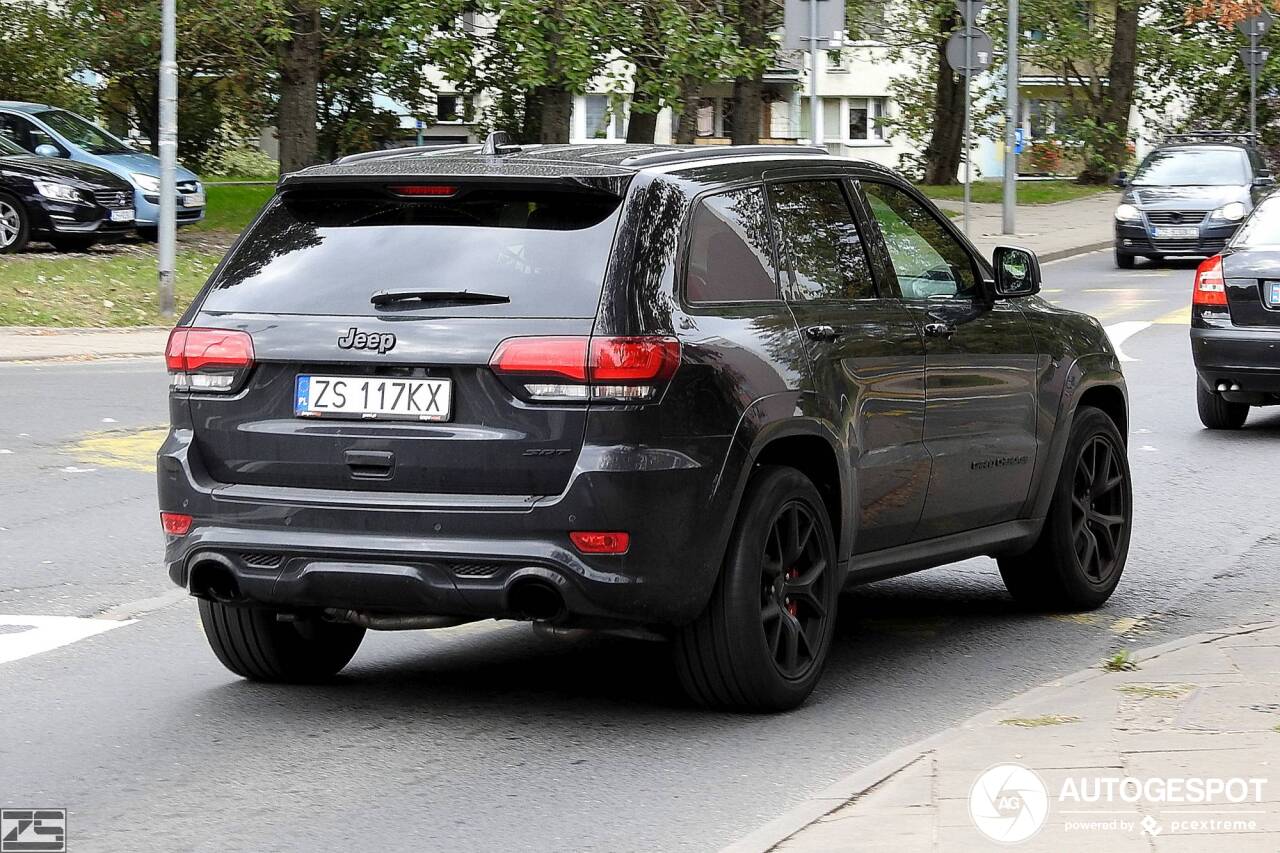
(1125, 262)
(253, 643)
(73, 243)
(15, 225)
(1217, 413)
(763, 638)
(1079, 556)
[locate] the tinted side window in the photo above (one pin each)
(15, 130)
(928, 260)
(730, 259)
(818, 241)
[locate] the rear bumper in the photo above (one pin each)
(1248, 358)
(1135, 239)
(397, 553)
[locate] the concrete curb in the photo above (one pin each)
(1062, 254)
(859, 782)
(86, 356)
(78, 343)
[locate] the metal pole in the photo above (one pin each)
(168, 153)
(968, 70)
(1011, 124)
(1253, 83)
(814, 118)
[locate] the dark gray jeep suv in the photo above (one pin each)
(686, 392)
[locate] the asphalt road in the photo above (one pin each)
(488, 737)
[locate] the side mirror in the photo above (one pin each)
(1264, 178)
(1017, 272)
(47, 150)
(1121, 180)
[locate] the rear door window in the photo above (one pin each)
(546, 251)
(818, 241)
(730, 256)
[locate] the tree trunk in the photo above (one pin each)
(531, 121)
(1117, 98)
(299, 59)
(690, 94)
(753, 32)
(943, 155)
(643, 123)
(557, 107)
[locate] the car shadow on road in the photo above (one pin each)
(901, 626)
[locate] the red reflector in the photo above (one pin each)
(544, 356)
(592, 542)
(192, 349)
(634, 359)
(1210, 287)
(176, 523)
(423, 189)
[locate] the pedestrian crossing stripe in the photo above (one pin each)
(23, 636)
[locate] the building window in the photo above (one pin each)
(450, 108)
(866, 119)
(706, 117)
(602, 119)
(835, 61)
(831, 119)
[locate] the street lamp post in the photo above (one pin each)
(1011, 123)
(168, 144)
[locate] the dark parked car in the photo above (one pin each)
(1235, 323)
(69, 204)
(685, 392)
(1189, 196)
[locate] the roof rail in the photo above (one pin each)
(401, 152)
(709, 152)
(1211, 136)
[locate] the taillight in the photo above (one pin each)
(424, 190)
(175, 523)
(207, 359)
(599, 542)
(1210, 287)
(608, 369)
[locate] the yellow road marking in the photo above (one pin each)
(1077, 618)
(134, 450)
(1177, 317)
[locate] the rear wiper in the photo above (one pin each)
(387, 297)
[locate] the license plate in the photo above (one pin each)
(372, 398)
(124, 214)
(1175, 232)
(1273, 293)
(192, 199)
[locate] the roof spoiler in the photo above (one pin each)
(312, 179)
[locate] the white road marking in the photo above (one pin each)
(1121, 332)
(23, 636)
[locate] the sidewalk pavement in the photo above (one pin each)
(1053, 231)
(1206, 707)
(34, 343)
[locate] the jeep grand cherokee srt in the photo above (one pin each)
(695, 392)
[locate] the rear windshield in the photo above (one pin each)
(545, 251)
(1174, 167)
(1262, 228)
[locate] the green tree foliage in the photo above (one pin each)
(39, 56)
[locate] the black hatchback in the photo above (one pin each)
(1188, 197)
(1235, 323)
(684, 393)
(72, 205)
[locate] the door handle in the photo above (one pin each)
(822, 333)
(939, 330)
(370, 464)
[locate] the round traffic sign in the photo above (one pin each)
(972, 47)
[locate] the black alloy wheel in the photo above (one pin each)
(1098, 509)
(793, 590)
